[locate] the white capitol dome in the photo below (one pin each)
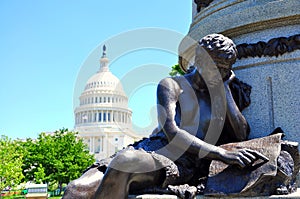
(103, 118)
(104, 80)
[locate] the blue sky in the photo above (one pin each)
(46, 45)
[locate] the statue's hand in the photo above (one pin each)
(242, 157)
(229, 80)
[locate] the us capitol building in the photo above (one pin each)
(103, 118)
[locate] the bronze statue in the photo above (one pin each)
(196, 112)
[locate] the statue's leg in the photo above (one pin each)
(85, 186)
(130, 169)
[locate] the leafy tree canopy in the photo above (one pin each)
(58, 157)
(11, 163)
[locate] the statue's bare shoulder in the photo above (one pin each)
(169, 87)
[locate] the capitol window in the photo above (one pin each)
(97, 150)
(104, 117)
(99, 119)
(98, 146)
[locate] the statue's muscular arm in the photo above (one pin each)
(168, 92)
(237, 120)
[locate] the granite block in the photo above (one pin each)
(156, 196)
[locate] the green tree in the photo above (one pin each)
(30, 163)
(72, 157)
(40, 175)
(11, 163)
(62, 155)
(176, 70)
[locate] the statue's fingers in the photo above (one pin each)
(240, 163)
(245, 160)
(258, 155)
(232, 76)
(249, 155)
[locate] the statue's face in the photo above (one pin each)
(217, 70)
(224, 69)
(211, 75)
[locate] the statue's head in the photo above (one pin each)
(221, 49)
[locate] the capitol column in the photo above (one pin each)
(105, 148)
(90, 144)
(97, 116)
(106, 116)
(93, 144)
(112, 116)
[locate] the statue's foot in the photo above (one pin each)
(183, 191)
(282, 190)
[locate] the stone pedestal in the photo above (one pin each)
(154, 196)
(274, 80)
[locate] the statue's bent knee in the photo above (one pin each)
(85, 186)
(130, 161)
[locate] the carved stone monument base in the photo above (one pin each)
(156, 196)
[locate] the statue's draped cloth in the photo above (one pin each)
(224, 179)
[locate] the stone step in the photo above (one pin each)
(164, 196)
